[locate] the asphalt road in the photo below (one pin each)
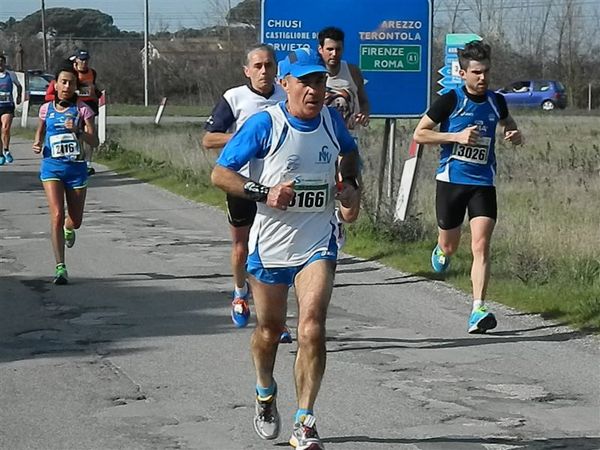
(138, 352)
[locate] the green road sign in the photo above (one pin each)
(390, 58)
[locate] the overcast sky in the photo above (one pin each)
(129, 14)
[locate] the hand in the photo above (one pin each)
(70, 125)
(281, 195)
(37, 147)
(513, 136)
(468, 136)
(362, 119)
(347, 194)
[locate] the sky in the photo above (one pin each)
(128, 15)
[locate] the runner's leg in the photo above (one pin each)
(481, 235)
(55, 194)
(270, 304)
(75, 207)
(314, 284)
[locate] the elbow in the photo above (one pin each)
(206, 142)
(350, 215)
(417, 137)
(215, 177)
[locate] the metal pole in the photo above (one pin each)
(145, 52)
(44, 38)
(589, 96)
(391, 157)
(382, 164)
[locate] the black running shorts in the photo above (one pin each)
(7, 110)
(453, 200)
(240, 212)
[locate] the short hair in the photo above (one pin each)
(474, 51)
(65, 66)
(333, 33)
(260, 47)
(3, 57)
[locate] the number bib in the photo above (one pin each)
(64, 145)
(4, 97)
(476, 153)
(84, 91)
(311, 194)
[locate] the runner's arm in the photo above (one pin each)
(511, 130)
(349, 188)
(362, 117)
(17, 84)
(88, 133)
(220, 121)
(213, 140)
(425, 134)
(39, 136)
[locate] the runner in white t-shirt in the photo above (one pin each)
(229, 114)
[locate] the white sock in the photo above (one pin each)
(477, 304)
(241, 292)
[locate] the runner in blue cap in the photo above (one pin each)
(292, 149)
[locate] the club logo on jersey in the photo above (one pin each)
(324, 155)
(492, 117)
(292, 163)
(481, 127)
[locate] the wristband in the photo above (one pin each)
(256, 191)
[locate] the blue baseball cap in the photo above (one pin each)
(301, 62)
(82, 55)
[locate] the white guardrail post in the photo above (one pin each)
(102, 118)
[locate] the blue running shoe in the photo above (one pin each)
(481, 320)
(8, 156)
(2, 160)
(286, 336)
(240, 311)
(439, 260)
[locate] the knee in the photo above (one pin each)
(480, 248)
(57, 218)
(240, 251)
(311, 331)
(268, 333)
(448, 247)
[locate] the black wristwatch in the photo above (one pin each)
(256, 191)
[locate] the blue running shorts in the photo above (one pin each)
(286, 275)
(73, 174)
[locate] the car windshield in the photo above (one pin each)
(38, 83)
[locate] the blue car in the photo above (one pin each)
(545, 94)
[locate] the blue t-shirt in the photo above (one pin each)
(253, 139)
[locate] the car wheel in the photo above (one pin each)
(548, 105)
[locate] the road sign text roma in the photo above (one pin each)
(398, 58)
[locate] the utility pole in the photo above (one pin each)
(228, 30)
(145, 52)
(44, 40)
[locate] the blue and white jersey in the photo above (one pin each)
(470, 164)
(60, 143)
(280, 147)
(7, 80)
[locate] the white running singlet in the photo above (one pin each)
(289, 238)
